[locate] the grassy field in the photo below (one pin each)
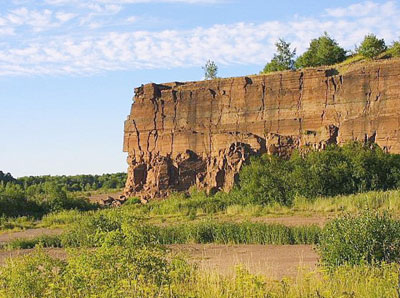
(121, 252)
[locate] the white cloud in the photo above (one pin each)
(240, 43)
(64, 16)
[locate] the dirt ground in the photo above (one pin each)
(28, 234)
(96, 198)
(294, 220)
(58, 253)
(274, 261)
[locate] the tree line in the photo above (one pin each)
(325, 50)
(39, 195)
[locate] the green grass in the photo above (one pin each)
(237, 233)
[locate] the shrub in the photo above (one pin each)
(337, 170)
(371, 46)
(31, 276)
(366, 238)
(265, 181)
(322, 51)
(104, 272)
(394, 50)
(42, 241)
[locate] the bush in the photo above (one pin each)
(394, 50)
(337, 170)
(367, 238)
(322, 51)
(105, 272)
(371, 46)
(265, 181)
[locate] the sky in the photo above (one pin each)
(68, 67)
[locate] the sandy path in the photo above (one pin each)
(294, 220)
(58, 253)
(28, 234)
(275, 261)
(96, 198)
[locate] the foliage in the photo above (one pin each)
(13, 202)
(6, 177)
(237, 233)
(146, 272)
(105, 272)
(37, 200)
(352, 168)
(116, 229)
(322, 51)
(371, 46)
(283, 59)
(367, 238)
(40, 241)
(394, 50)
(210, 70)
(265, 181)
(74, 183)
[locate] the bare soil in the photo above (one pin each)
(58, 253)
(28, 234)
(96, 198)
(294, 220)
(275, 261)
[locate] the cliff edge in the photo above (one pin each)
(200, 133)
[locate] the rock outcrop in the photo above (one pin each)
(200, 133)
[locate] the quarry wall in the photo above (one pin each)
(201, 133)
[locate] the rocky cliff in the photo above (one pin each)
(200, 133)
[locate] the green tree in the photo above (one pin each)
(210, 70)
(283, 59)
(394, 50)
(371, 46)
(322, 51)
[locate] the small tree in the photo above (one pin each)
(322, 51)
(371, 46)
(283, 59)
(210, 70)
(394, 50)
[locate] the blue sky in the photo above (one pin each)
(68, 67)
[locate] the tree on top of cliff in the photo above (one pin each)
(371, 46)
(210, 70)
(283, 59)
(322, 51)
(394, 50)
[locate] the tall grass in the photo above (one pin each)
(373, 200)
(237, 233)
(178, 205)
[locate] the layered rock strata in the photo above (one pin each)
(200, 133)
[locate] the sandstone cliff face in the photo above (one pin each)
(200, 133)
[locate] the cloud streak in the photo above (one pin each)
(239, 43)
